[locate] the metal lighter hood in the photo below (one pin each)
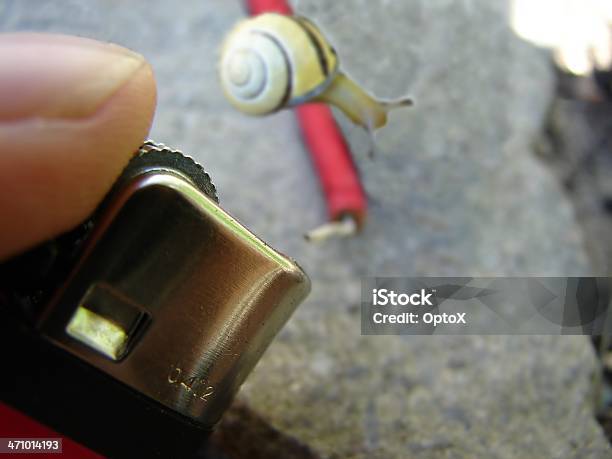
(170, 295)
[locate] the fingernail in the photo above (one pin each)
(60, 77)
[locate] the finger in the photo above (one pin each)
(72, 112)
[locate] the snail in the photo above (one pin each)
(272, 61)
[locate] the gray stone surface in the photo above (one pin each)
(455, 191)
(576, 144)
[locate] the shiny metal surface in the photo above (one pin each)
(214, 294)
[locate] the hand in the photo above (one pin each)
(72, 112)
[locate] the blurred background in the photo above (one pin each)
(503, 167)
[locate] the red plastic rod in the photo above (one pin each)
(268, 6)
(328, 149)
(333, 161)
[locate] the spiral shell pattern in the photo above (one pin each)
(272, 61)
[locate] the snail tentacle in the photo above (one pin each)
(359, 106)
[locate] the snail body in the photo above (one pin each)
(272, 61)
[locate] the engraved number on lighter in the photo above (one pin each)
(196, 386)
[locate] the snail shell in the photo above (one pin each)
(272, 61)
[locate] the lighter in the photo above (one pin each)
(133, 332)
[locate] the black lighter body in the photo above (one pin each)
(132, 333)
